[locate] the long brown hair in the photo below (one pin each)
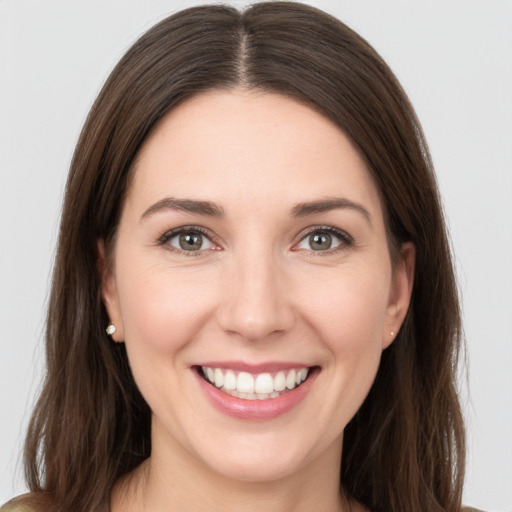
(404, 449)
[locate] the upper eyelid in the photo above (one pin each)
(345, 239)
(329, 229)
(216, 240)
(171, 233)
(168, 235)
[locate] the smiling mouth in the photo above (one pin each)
(260, 386)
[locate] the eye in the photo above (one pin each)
(324, 239)
(188, 240)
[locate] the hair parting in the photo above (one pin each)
(404, 449)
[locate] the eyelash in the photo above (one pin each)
(345, 239)
(168, 235)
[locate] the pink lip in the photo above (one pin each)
(255, 409)
(270, 367)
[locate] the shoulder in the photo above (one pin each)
(25, 503)
(16, 506)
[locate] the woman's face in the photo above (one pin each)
(252, 252)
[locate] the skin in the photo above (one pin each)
(255, 292)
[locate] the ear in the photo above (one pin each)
(400, 293)
(109, 292)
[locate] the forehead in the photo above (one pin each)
(247, 147)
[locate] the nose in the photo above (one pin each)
(256, 301)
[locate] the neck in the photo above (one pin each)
(173, 479)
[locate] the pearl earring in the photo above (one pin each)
(111, 329)
(392, 333)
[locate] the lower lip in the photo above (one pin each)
(256, 409)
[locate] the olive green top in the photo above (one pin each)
(12, 506)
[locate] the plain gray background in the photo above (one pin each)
(454, 59)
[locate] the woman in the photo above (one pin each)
(252, 215)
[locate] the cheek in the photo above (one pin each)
(349, 308)
(349, 317)
(162, 309)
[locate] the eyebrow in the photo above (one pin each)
(186, 205)
(213, 210)
(328, 204)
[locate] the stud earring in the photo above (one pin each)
(111, 329)
(392, 333)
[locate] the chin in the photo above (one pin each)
(259, 459)
(256, 470)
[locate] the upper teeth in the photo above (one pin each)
(261, 383)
